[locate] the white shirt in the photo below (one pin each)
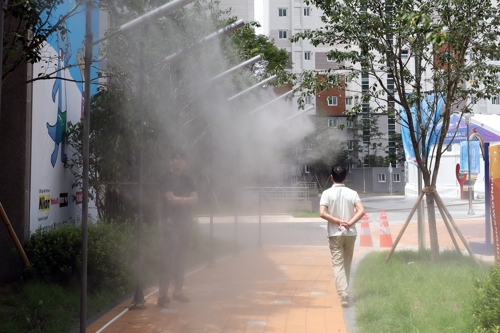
(340, 201)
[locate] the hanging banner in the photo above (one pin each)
(475, 156)
(57, 101)
(494, 157)
(430, 112)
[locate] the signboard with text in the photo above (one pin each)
(494, 188)
(475, 157)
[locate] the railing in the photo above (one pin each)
(279, 193)
(309, 185)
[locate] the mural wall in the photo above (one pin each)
(56, 102)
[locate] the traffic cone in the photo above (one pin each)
(385, 232)
(365, 238)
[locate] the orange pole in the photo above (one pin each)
(13, 235)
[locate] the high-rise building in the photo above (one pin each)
(243, 9)
(285, 18)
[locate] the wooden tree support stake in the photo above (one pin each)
(408, 219)
(13, 235)
(457, 230)
(446, 217)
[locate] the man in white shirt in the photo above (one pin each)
(337, 206)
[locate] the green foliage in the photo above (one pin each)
(410, 293)
(23, 41)
(114, 145)
(55, 255)
(34, 306)
(486, 303)
(249, 44)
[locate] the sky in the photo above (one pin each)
(259, 14)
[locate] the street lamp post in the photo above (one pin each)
(471, 211)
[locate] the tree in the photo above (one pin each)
(28, 24)
(410, 50)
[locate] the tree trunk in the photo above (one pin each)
(431, 213)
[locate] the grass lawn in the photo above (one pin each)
(46, 307)
(304, 213)
(411, 294)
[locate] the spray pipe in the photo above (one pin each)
(257, 85)
(235, 68)
(227, 29)
(148, 17)
(271, 102)
(299, 113)
(223, 74)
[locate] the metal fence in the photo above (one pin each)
(309, 185)
(279, 193)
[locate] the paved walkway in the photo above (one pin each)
(274, 289)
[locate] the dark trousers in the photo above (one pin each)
(175, 250)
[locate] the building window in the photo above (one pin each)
(381, 177)
(332, 100)
(282, 34)
(473, 100)
(281, 12)
(495, 100)
(308, 100)
(307, 55)
(330, 58)
(404, 54)
(350, 145)
(307, 168)
(348, 101)
(349, 124)
(307, 11)
(333, 122)
(333, 78)
(396, 177)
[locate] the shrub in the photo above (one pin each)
(55, 254)
(486, 303)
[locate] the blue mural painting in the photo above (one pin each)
(72, 32)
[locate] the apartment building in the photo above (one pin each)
(243, 9)
(285, 18)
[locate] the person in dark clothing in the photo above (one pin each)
(179, 196)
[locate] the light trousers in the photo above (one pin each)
(342, 250)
